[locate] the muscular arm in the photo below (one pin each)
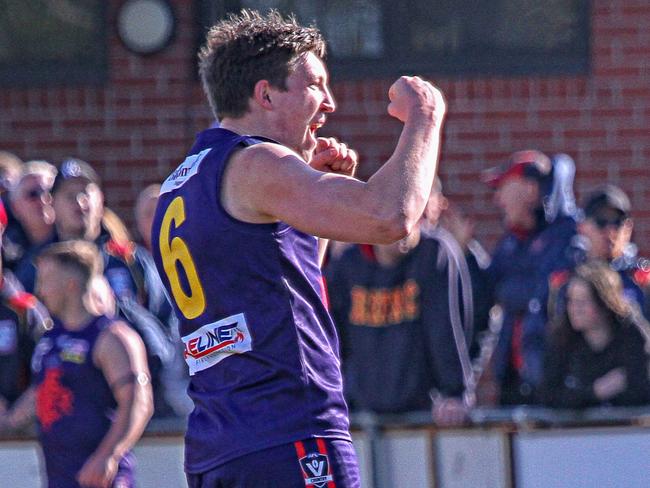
(268, 182)
(120, 354)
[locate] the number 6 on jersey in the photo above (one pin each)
(176, 251)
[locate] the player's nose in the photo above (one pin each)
(329, 104)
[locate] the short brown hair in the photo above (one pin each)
(245, 48)
(80, 257)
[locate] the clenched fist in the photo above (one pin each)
(411, 95)
(332, 156)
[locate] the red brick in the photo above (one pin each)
(612, 112)
(582, 134)
(610, 154)
(634, 172)
(157, 100)
(636, 133)
(83, 123)
(636, 10)
(31, 124)
(641, 91)
(618, 71)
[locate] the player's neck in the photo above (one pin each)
(75, 316)
(247, 126)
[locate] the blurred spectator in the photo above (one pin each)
(145, 208)
(597, 354)
(464, 254)
(10, 167)
(405, 314)
(607, 232)
(536, 203)
(92, 394)
(157, 301)
(604, 234)
(80, 214)
(176, 375)
(22, 320)
(468, 260)
(33, 228)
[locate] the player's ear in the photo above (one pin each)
(261, 94)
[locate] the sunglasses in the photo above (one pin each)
(604, 222)
(35, 193)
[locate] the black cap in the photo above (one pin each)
(607, 196)
(75, 168)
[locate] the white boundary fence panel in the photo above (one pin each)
(612, 453)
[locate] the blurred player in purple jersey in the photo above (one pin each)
(235, 238)
(92, 390)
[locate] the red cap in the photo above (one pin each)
(523, 164)
(495, 176)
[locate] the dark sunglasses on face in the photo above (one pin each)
(35, 193)
(604, 222)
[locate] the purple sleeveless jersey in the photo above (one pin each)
(73, 403)
(260, 345)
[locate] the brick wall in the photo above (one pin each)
(137, 126)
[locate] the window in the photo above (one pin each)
(52, 41)
(388, 37)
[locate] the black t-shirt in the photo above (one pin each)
(396, 337)
(569, 374)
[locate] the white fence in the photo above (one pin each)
(505, 451)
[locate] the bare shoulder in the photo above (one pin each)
(253, 177)
(262, 162)
(118, 339)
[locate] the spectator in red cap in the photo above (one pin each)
(538, 231)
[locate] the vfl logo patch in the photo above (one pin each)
(184, 172)
(315, 468)
(216, 341)
(73, 350)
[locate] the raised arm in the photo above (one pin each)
(269, 182)
(120, 354)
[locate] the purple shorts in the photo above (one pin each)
(310, 463)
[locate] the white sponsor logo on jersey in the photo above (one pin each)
(216, 341)
(184, 172)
